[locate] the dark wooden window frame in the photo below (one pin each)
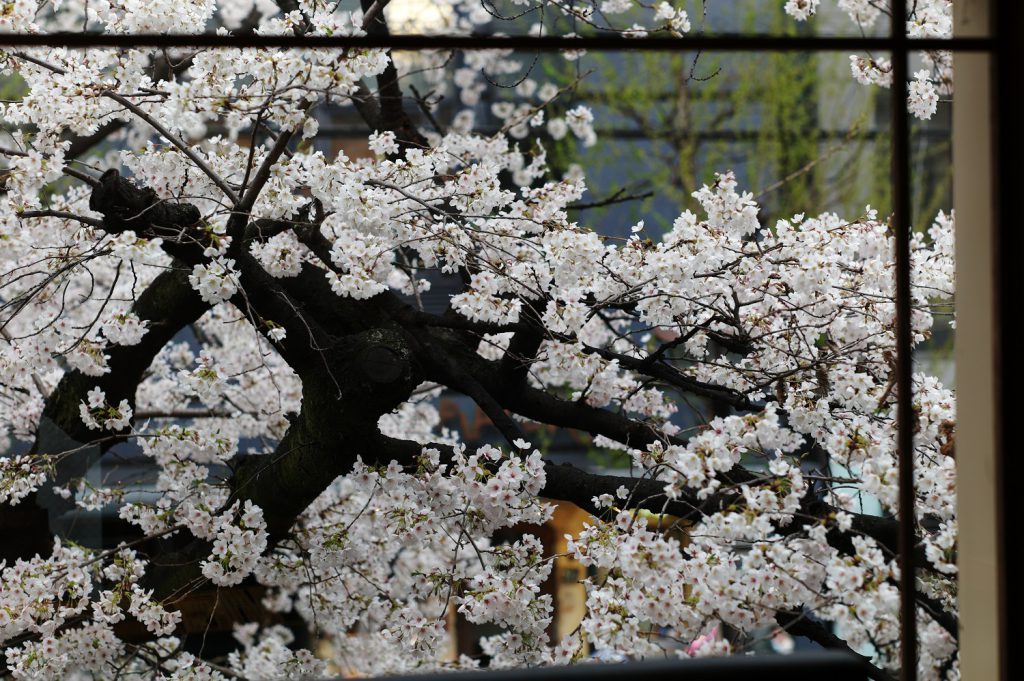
(1004, 51)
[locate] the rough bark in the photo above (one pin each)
(373, 372)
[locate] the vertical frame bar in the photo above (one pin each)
(904, 354)
(1007, 139)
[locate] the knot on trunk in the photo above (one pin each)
(125, 206)
(363, 375)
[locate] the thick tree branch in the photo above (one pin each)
(392, 114)
(378, 372)
(185, 148)
(799, 624)
(945, 619)
(263, 173)
(674, 377)
(64, 215)
(80, 145)
(125, 206)
(167, 305)
(439, 363)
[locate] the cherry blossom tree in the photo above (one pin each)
(183, 271)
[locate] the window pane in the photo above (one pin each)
(671, 272)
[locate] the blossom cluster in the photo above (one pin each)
(237, 545)
(788, 326)
(42, 597)
(927, 19)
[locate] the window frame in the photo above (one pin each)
(987, 63)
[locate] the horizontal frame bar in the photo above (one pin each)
(831, 665)
(718, 42)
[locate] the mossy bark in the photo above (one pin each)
(365, 376)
